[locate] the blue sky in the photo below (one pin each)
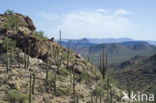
(90, 18)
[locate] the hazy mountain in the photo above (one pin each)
(117, 52)
(109, 40)
(141, 71)
(106, 40)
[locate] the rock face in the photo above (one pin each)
(30, 23)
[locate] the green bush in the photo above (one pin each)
(63, 71)
(85, 62)
(59, 92)
(16, 96)
(67, 91)
(111, 81)
(85, 77)
(51, 78)
(9, 12)
(42, 89)
(40, 35)
(11, 23)
(99, 91)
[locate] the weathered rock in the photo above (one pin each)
(21, 57)
(35, 61)
(78, 56)
(30, 23)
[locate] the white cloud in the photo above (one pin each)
(122, 12)
(48, 16)
(102, 11)
(91, 23)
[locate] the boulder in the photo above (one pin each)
(21, 57)
(35, 61)
(78, 56)
(30, 23)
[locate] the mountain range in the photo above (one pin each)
(141, 72)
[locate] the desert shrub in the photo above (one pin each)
(42, 89)
(9, 12)
(84, 76)
(59, 92)
(67, 91)
(40, 35)
(11, 23)
(111, 81)
(85, 62)
(63, 71)
(16, 96)
(51, 78)
(11, 43)
(98, 91)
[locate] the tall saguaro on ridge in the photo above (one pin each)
(103, 63)
(60, 38)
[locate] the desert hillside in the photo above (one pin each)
(36, 69)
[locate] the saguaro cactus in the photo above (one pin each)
(30, 89)
(68, 54)
(129, 86)
(104, 63)
(33, 84)
(77, 99)
(60, 38)
(29, 41)
(25, 59)
(91, 101)
(100, 99)
(55, 82)
(18, 59)
(73, 80)
(47, 70)
(11, 50)
(88, 59)
(7, 60)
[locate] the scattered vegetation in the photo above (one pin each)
(40, 35)
(63, 71)
(16, 96)
(84, 76)
(11, 22)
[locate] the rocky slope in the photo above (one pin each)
(16, 83)
(140, 70)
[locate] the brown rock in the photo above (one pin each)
(78, 56)
(30, 23)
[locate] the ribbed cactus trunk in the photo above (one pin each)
(30, 89)
(18, 59)
(60, 39)
(88, 59)
(67, 67)
(11, 51)
(129, 88)
(7, 59)
(28, 53)
(55, 82)
(73, 80)
(108, 84)
(33, 84)
(100, 99)
(77, 99)
(104, 64)
(74, 83)
(25, 59)
(91, 101)
(47, 70)
(100, 63)
(96, 96)
(111, 94)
